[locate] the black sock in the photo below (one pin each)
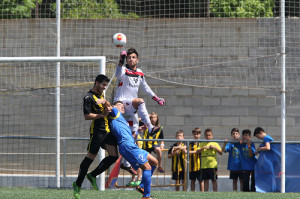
(104, 165)
(84, 166)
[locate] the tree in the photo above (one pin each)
(12, 9)
(91, 9)
(242, 8)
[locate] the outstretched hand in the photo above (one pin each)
(123, 56)
(160, 101)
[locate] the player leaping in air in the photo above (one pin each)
(137, 157)
(130, 78)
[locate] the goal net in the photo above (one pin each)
(216, 62)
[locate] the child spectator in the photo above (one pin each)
(157, 133)
(195, 173)
(260, 133)
(177, 152)
(209, 164)
(248, 160)
(234, 163)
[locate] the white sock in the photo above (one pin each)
(143, 113)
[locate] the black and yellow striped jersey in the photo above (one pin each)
(195, 159)
(178, 160)
(157, 134)
(90, 106)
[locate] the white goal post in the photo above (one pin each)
(102, 65)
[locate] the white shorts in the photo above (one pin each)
(131, 115)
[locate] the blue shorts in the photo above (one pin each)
(133, 154)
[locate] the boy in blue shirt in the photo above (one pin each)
(248, 160)
(260, 133)
(234, 162)
(138, 158)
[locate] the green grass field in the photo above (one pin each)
(32, 193)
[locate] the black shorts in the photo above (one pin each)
(98, 139)
(236, 175)
(196, 175)
(209, 174)
(178, 176)
(149, 150)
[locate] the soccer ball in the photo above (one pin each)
(119, 40)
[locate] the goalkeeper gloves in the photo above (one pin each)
(160, 101)
(123, 56)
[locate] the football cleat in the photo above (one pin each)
(93, 181)
(76, 191)
(140, 189)
(129, 169)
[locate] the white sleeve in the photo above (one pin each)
(119, 71)
(146, 88)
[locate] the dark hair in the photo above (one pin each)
(180, 131)
(141, 123)
(246, 132)
(258, 130)
(207, 130)
(234, 130)
(101, 78)
(196, 130)
(131, 51)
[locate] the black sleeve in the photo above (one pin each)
(87, 105)
(170, 149)
(161, 135)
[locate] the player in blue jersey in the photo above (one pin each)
(260, 133)
(138, 158)
(248, 160)
(234, 162)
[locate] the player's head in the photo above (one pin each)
(235, 133)
(246, 134)
(259, 133)
(196, 133)
(132, 57)
(119, 105)
(101, 78)
(101, 83)
(208, 134)
(154, 119)
(180, 135)
(107, 106)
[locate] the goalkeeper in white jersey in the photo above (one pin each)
(130, 79)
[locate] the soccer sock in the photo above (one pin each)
(153, 169)
(143, 113)
(84, 166)
(104, 165)
(146, 181)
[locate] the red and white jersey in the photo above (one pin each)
(129, 82)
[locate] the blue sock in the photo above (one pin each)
(153, 169)
(146, 182)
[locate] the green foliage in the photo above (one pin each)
(242, 8)
(91, 9)
(12, 9)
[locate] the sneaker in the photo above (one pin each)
(129, 169)
(93, 181)
(76, 191)
(130, 184)
(160, 170)
(137, 183)
(140, 189)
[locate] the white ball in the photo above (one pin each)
(119, 40)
